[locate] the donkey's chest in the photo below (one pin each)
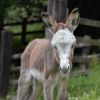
(40, 75)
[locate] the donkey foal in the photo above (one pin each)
(48, 61)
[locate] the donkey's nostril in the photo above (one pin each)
(64, 70)
(68, 66)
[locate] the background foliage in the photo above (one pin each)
(18, 9)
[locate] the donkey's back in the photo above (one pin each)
(34, 54)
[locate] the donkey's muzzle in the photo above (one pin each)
(64, 69)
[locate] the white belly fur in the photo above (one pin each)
(37, 74)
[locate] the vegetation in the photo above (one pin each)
(19, 9)
(81, 87)
(86, 88)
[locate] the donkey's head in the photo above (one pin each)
(63, 39)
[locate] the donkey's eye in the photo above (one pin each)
(55, 47)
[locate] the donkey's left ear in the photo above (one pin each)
(73, 19)
(48, 20)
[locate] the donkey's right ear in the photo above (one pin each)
(48, 20)
(73, 19)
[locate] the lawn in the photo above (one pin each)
(81, 87)
(86, 88)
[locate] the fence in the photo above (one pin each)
(24, 23)
(6, 41)
(6, 56)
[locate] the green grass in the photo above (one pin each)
(30, 27)
(86, 88)
(81, 87)
(37, 26)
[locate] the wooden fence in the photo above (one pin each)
(6, 49)
(83, 59)
(6, 41)
(24, 24)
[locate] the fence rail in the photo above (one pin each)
(76, 59)
(90, 22)
(81, 43)
(24, 23)
(88, 42)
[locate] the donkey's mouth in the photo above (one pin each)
(64, 70)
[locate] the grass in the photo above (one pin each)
(86, 88)
(81, 87)
(30, 27)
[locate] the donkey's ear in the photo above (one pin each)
(48, 20)
(73, 19)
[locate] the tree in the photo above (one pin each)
(57, 9)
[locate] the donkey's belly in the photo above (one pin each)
(37, 75)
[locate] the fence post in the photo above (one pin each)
(85, 52)
(5, 61)
(24, 29)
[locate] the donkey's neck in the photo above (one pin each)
(54, 61)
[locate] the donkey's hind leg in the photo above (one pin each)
(36, 90)
(24, 84)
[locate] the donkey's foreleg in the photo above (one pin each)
(62, 95)
(24, 84)
(48, 89)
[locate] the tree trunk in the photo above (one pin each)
(58, 10)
